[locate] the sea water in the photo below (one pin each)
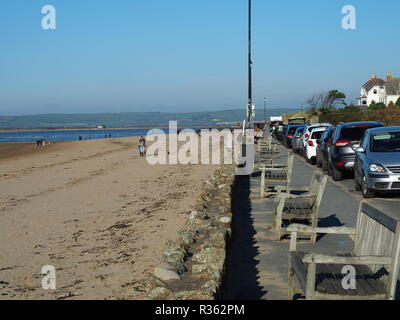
(69, 135)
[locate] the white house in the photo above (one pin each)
(373, 91)
(392, 89)
(377, 90)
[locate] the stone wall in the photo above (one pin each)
(192, 267)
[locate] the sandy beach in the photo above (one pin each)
(94, 210)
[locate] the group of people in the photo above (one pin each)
(80, 138)
(41, 142)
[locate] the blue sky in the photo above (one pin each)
(187, 55)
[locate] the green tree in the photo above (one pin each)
(398, 102)
(334, 98)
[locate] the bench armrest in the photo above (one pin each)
(350, 260)
(302, 228)
(328, 230)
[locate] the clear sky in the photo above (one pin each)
(187, 55)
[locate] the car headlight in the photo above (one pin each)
(376, 168)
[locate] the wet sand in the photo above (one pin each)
(94, 210)
(21, 149)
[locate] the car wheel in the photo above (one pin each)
(324, 165)
(329, 170)
(319, 164)
(367, 193)
(337, 175)
(357, 186)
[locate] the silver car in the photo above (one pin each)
(377, 163)
(296, 139)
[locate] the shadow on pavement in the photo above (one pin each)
(241, 278)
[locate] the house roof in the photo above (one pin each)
(393, 87)
(374, 82)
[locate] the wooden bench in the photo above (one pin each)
(267, 157)
(276, 173)
(290, 208)
(258, 135)
(375, 257)
(264, 144)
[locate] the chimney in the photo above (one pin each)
(373, 76)
(389, 76)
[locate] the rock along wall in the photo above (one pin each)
(192, 267)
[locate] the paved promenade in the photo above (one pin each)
(258, 265)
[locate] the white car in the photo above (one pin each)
(306, 134)
(311, 147)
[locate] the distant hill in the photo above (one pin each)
(130, 119)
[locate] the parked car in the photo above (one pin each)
(297, 121)
(296, 139)
(278, 130)
(311, 147)
(282, 133)
(290, 134)
(377, 162)
(306, 135)
(323, 148)
(342, 155)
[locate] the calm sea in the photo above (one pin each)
(69, 135)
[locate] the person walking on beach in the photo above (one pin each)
(142, 146)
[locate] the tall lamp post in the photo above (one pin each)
(250, 89)
(265, 109)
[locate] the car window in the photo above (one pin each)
(385, 142)
(292, 130)
(326, 134)
(299, 131)
(353, 133)
(317, 134)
